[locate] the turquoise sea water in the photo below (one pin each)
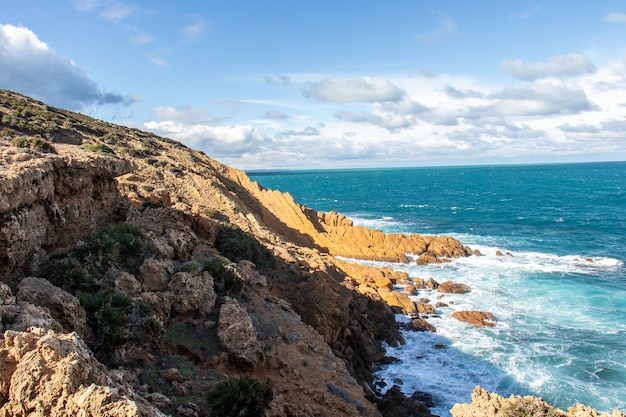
(559, 300)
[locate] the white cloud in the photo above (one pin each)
(195, 31)
(276, 115)
(353, 90)
(217, 141)
(542, 99)
(559, 66)
(410, 119)
(85, 5)
(117, 11)
(447, 27)
(29, 66)
(388, 121)
(615, 17)
(187, 115)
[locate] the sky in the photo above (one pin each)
(279, 84)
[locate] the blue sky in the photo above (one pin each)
(335, 84)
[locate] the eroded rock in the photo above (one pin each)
(453, 288)
(56, 375)
(63, 306)
(237, 335)
(476, 318)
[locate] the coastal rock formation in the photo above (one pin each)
(450, 287)
(486, 404)
(61, 305)
(204, 276)
(237, 334)
(46, 205)
(336, 234)
(475, 318)
(50, 374)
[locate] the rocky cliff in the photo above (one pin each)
(123, 250)
(137, 275)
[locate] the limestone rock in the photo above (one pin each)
(486, 404)
(453, 288)
(153, 274)
(124, 282)
(63, 306)
(193, 292)
(476, 318)
(56, 375)
(398, 301)
(237, 335)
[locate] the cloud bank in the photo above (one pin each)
(565, 109)
(557, 66)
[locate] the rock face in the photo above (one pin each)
(56, 375)
(335, 234)
(193, 292)
(476, 318)
(237, 334)
(485, 404)
(51, 206)
(63, 306)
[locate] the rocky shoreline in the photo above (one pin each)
(137, 274)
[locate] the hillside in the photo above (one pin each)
(138, 275)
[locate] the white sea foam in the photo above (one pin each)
(542, 342)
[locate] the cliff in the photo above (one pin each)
(138, 275)
(144, 273)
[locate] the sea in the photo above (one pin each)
(558, 291)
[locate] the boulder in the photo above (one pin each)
(448, 247)
(419, 325)
(63, 306)
(398, 301)
(425, 308)
(476, 318)
(453, 288)
(376, 278)
(50, 374)
(419, 282)
(193, 292)
(432, 284)
(237, 335)
(124, 282)
(153, 274)
(395, 404)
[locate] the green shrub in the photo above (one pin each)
(236, 245)
(93, 301)
(113, 337)
(21, 142)
(191, 266)
(97, 147)
(152, 325)
(120, 300)
(232, 283)
(113, 315)
(214, 266)
(36, 142)
(239, 397)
